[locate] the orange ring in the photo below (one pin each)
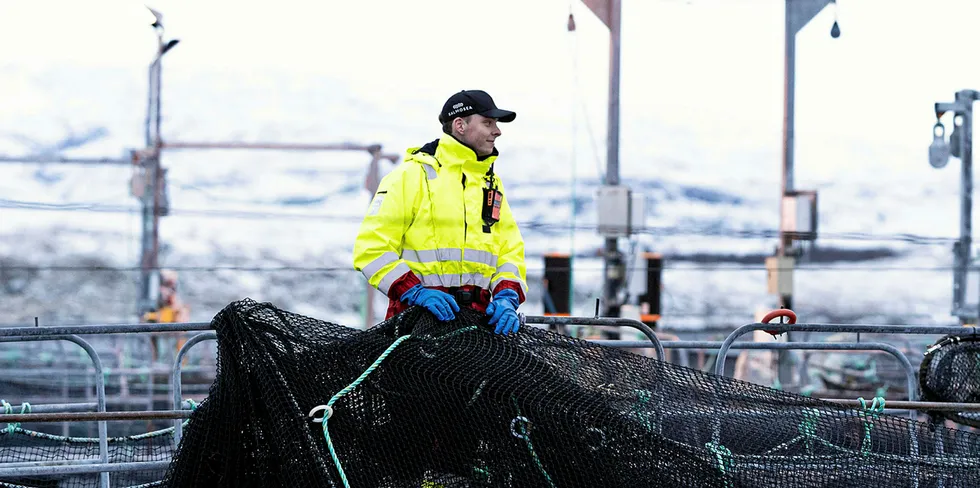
(778, 313)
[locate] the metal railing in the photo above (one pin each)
(910, 375)
(181, 409)
(175, 375)
(64, 412)
(599, 321)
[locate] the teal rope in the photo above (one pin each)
(8, 409)
(479, 389)
(90, 440)
(808, 428)
(456, 332)
(872, 412)
(525, 433)
(639, 410)
(537, 460)
(724, 458)
(344, 392)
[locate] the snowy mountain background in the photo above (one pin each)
(701, 132)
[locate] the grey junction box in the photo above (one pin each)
(620, 212)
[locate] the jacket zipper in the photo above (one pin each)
(465, 228)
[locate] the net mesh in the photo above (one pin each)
(418, 402)
(950, 372)
(21, 447)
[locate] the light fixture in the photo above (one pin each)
(835, 30)
(155, 17)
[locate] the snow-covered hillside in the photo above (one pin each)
(279, 226)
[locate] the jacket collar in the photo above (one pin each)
(448, 151)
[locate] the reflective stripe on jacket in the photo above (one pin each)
(425, 225)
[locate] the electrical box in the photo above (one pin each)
(638, 214)
(779, 274)
(620, 212)
(799, 216)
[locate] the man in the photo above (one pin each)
(170, 309)
(439, 232)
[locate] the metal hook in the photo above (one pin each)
(525, 427)
(601, 439)
(326, 408)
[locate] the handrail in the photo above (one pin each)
(910, 373)
(102, 329)
(175, 375)
(598, 321)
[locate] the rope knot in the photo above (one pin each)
(870, 414)
(9, 409)
(724, 458)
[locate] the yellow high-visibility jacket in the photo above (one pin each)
(425, 225)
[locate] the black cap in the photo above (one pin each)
(469, 102)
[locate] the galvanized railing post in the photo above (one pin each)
(175, 378)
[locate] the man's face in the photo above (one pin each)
(480, 133)
(167, 292)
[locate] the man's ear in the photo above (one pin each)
(459, 125)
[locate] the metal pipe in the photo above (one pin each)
(913, 405)
(57, 462)
(48, 372)
(151, 93)
(829, 465)
(103, 468)
(159, 94)
(96, 416)
(612, 143)
(47, 331)
(598, 321)
(963, 247)
(57, 408)
(855, 328)
(611, 255)
(175, 376)
(966, 223)
(343, 146)
(60, 407)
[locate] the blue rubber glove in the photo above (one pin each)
(440, 303)
(503, 312)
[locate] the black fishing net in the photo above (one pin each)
(950, 372)
(23, 448)
(419, 403)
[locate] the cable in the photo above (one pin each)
(668, 231)
(103, 208)
(667, 266)
(658, 231)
